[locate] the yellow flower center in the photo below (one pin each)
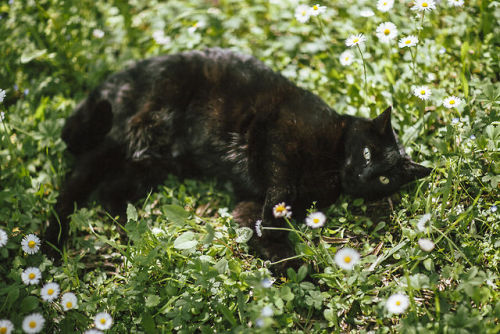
(31, 244)
(32, 324)
(103, 321)
(452, 102)
(3, 330)
(424, 4)
(280, 208)
(50, 292)
(385, 3)
(347, 58)
(31, 276)
(398, 302)
(303, 13)
(315, 7)
(355, 40)
(347, 259)
(407, 41)
(69, 304)
(387, 31)
(422, 92)
(315, 220)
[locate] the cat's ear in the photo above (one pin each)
(414, 171)
(382, 123)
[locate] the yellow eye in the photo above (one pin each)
(366, 154)
(383, 180)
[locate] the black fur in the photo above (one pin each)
(220, 114)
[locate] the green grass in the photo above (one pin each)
(186, 265)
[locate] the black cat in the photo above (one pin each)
(221, 114)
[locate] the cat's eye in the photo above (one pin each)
(383, 180)
(366, 154)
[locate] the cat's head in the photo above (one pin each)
(376, 165)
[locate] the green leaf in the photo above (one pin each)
(131, 213)
(152, 300)
(12, 296)
(243, 234)
(292, 274)
(465, 84)
(389, 75)
(286, 293)
(176, 214)
(29, 55)
(222, 266)
(148, 323)
(29, 304)
(228, 315)
(185, 241)
(329, 315)
(302, 273)
(210, 234)
(428, 264)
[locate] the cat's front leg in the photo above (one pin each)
(273, 243)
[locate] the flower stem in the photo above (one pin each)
(325, 37)
(416, 45)
(287, 259)
(413, 67)
(364, 71)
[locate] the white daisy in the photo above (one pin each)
(30, 244)
(366, 12)
(426, 245)
(258, 225)
(408, 41)
(160, 38)
(317, 9)
(385, 5)
(69, 301)
(33, 323)
(98, 33)
(397, 303)
(92, 331)
(103, 321)
(355, 40)
(424, 5)
(3, 238)
(346, 258)
(302, 13)
(267, 311)
(31, 275)
(50, 291)
(452, 102)
(386, 32)
(282, 210)
(456, 3)
(2, 95)
(195, 26)
(316, 219)
(346, 58)
(6, 326)
(422, 92)
(422, 222)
